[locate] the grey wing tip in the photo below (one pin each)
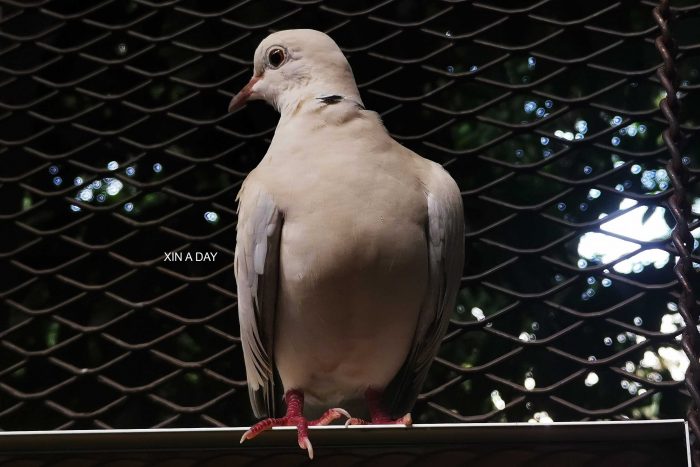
(260, 404)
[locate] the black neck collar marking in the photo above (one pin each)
(335, 98)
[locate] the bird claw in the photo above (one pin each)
(343, 412)
(300, 422)
(330, 416)
(245, 436)
(305, 443)
(355, 421)
(405, 420)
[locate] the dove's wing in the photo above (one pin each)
(445, 244)
(257, 268)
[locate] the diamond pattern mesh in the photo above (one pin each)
(115, 147)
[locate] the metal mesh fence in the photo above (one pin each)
(115, 148)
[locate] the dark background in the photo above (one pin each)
(115, 146)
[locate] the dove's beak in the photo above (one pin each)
(244, 95)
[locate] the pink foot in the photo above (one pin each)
(405, 420)
(295, 417)
(379, 416)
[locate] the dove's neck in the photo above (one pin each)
(339, 82)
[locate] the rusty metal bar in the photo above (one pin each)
(679, 205)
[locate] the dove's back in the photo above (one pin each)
(353, 263)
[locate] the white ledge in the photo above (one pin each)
(474, 442)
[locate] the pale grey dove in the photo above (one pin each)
(349, 247)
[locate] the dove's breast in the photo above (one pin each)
(353, 274)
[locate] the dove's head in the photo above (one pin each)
(293, 66)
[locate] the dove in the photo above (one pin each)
(349, 249)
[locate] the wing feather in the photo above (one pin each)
(256, 268)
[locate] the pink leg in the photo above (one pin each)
(295, 417)
(379, 415)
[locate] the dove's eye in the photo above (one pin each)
(275, 57)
